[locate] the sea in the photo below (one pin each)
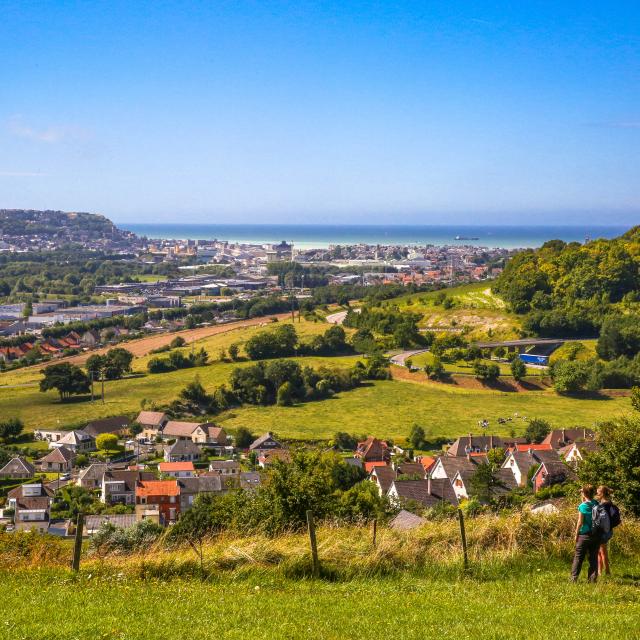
(312, 236)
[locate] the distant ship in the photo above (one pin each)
(465, 238)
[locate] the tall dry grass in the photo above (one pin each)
(495, 544)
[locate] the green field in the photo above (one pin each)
(386, 409)
(475, 309)
(422, 359)
(53, 605)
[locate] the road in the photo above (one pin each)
(338, 318)
(401, 358)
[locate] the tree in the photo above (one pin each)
(135, 428)
(66, 378)
(70, 500)
(537, 430)
(285, 395)
(243, 438)
(496, 456)
(190, 322)
(616, 462)
(518, 369)
(112, 365)
(619, 336)
(635, 398)
(234, 350)
(177, 342)
(435, 369)
(569, 377)
(486, 372)
(107, 442)
(483, 482)
(417, 436)
(344, 441)
(10, 429)
(195, 396)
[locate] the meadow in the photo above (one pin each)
(383, 408)
(475, 309)
(410, 585)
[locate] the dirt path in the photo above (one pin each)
(143, 346)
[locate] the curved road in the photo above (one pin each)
(401, 358)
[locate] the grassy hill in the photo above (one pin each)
(475, 308)
(385, 408)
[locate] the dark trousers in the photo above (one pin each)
(586, 547)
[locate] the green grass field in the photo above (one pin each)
(475, 309)
(53, 605)
(422, 359)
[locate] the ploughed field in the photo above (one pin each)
(527, 602)
(383, 408)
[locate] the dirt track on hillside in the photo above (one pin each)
(143, 346)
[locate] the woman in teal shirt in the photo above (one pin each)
(587, 544)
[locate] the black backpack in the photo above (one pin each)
(614, 516)
(600, 520)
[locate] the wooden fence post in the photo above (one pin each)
(375, 530)
(463, 536)
(314, 544)
(77, 547)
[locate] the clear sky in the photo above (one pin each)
(353, 112)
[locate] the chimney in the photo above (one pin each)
(469, 457)
(429, 484)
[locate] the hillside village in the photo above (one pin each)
(161, 466)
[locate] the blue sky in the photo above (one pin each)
(344, 112)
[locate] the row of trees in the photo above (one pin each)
(178, 360)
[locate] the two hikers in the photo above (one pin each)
(597, 517)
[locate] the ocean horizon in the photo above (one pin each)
(321, 236)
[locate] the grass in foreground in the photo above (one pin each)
(535, 602)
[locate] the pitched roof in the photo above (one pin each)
(107, 425)
(151, 418)
(410, 469)
(405, 521)
(533, 447)
(559, 437)
(148, 488)
(258, 442)
(370, 466)
(415, 490)
(427, 462)
(60, 455)
(223, 464)
(464, 444)
(442, 489)
(372, 449)
(17, 465)
(249, 479)
(183, 447)
(94, 471)
(271, 455)
(75, 438)
(121, 521)
(385, 476)
(183, 429)
(129, 478)
(165, 467)
(453, 464)
(201, 484)
(556, 471)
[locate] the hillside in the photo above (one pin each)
(383, 408)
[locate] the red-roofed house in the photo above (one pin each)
(523, 448)
(370, 466)
(158, 498)
(372, 450)
(177, 469)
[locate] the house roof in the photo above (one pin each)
(271, 455)
(107, 425)
(556, 471)
(559, 437)
(94, 471)
(405, 521)
(533, 447)
(267, 437)
(60, 455)
(130, 478)
(151, 418)
(249, 479)
(201, 484)
(427, 462)
(148, 488)
(385, 476)
(224, 464)
(372, 449)
(442, 489)
(415, 490)
(121, 521)
(17, 465)
(410, 469)
(183, 447)
(453, 464)
(75, 438)
(484, 443)
(183, 429)
(165, 467)
(370, 466)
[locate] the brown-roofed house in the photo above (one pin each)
(470, 444)
(18, 469)
(118, 425)
(559, 438)
(58, 460)
(373, 450)
(151, 423)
